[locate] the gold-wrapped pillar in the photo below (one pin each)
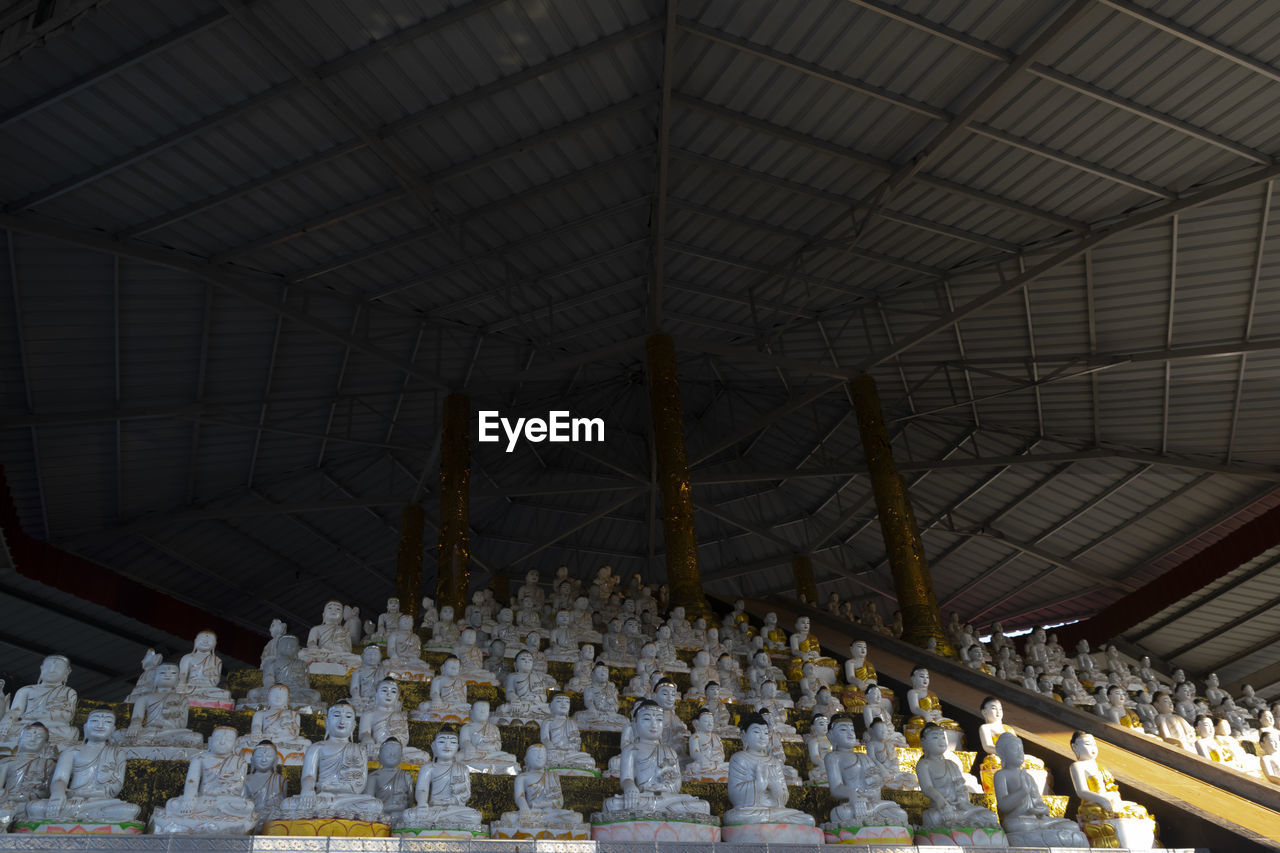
(413, 522)
(673, 478)
(921, 618)
(453, 558)
(806, 587)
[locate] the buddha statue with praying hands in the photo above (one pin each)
(49, 702)
(213, 800)
(334, 774)
(86, 783)
(328, 649)
(758, 792)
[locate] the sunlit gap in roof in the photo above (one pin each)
(986, 638)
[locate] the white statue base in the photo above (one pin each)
(771, 833)
(880, 836)
(160, 753)
(75, 827)
(720, 774)
(462, 833)
(531, 831)
(324, 667)
(1069, 837)
(1130, 833)
(227, 704)
(651, 827)
(961, 836)
(162, 823)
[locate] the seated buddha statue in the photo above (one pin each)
(25, 774)
(706, 750)
(365, 678)
(1020, 804)
(925, 708)
(328, 647)
(539, 802)
(288, 669)
(448, 698)
(856, 780)
(334, 774)
(805, 647)
(390, 783)
(404, 653)
(560, 735)
(480, 744)
(649, 772)
(200, 672)
(775, 639)
(990, 732)
(882, 751)
(49, 702)
(601, 700)
(386, 718)
(443, 788)
(213, 799)
(758, 790)
(1100, 803)
(280, 724)
(858, 673)
(87, 779)
(943, 783)
(159, 718)
(525, 691)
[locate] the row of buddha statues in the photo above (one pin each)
(753, 684)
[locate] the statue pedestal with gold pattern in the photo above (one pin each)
(879, 836)
(327, 826)
(651, 827)
(1110, 831)
(961, 836)
(513, 826)
(437, 833)
(75, 827)
(771, 833)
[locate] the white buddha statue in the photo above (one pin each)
(265, 783)
(49, 702)
(540, 811)
(925, 708)
(992, 730)
(1251, 701)
(443, 789)
(388, 621)
(668, 660)
(943, 783)
(334, 773)
(390, 783)
(702, 672)
(707, 762)
(1036, 651)
(351, 619)
(817, 745)
(1269, 755)
(614, 646)
(280, 724)
(152, 659)
(681, 631)
(563, 741)
(646, 665)
(1172, 727)
(445, 633)
(649, 773)
(480, 744)
(496, 664)
(757, 785)
(159, 718)
(719, 707)
(448, 698)
(563, 639)
(1023, 813)
(286, 668)
(601, 700)
(404, 652)
(386, 718)
(213, 800)
(365, 678)
(856, 780)
(1108, 820)
(1213, 692)
(530, 593)
(430, 614)
(25, 774)
(582, 668)
(328, 648)
(87, 780)
(200, 672)
(882, 751)
(525, 692)
(505, 630)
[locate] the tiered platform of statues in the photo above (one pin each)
(593, 713)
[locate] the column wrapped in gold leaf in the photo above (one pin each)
(413, 523)
(806, 587)
(921, 618)
(453, 559)
(673, 478)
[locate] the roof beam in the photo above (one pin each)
(244, 285)
(849, 203)
(872, 163)
(658, 215)
(103, 72)
(586, 522)
(1123, 225)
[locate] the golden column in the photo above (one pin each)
(806, 588)
(413, 522)
(453, 558)
(673, 478)
(921, 618)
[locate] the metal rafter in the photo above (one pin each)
(1249, 313)
(20, 339)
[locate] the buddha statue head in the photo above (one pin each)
(393, 607)
(1010, 750)
(164, 678)
(1204, 726)
(704, 720)
(468, 636)
(278, 696)
(560, 705)
(222, 740)
(1163, 703)
(820, 725)
(289, 646)
(390, 753)
(264, 758)
(444, 746)
(340, 721)
(802, 625)
(665, 693)
(535, 757)
(920, 678)
(54, 669)
(523, 662)
(387, 696)
(404, 624)
(34, 738)
(1268, 743)
(933, 740)
(332, 613)
(992, 710)
(712, 691)
(99, 725)
(451, 667)
(371, 656)
(446, 614)
(480, 711)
